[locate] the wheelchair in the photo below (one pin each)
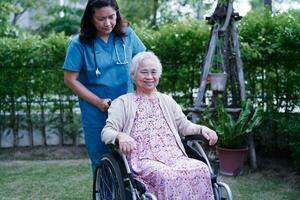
(113, 179)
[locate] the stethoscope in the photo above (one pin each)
(119, 62)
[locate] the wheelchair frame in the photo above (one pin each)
(194, 150)
(113, 178)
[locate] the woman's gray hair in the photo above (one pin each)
(139, 58)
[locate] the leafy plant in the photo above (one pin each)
(289, 128)
(232, 132)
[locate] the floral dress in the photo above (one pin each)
(158, 161)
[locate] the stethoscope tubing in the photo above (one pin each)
(118, 62)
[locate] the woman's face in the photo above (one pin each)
(104, 20)
(147, 77)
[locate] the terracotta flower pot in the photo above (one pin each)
(231, 160)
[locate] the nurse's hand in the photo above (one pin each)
(126, 143)
(104, 104)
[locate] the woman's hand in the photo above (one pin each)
(126, 143)
(104, 104)
(209, 134)
(71, 80)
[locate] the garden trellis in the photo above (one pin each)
(224, 57)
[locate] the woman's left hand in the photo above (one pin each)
(209, 134)
(126, 143)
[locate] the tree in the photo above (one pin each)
(158, 12)
(12, 11)
(199, 7)
(268, 3)
(256, 4)
(6, 28)
(273, 5)
(63, 19)
(135, 10)
(21, 6)
(49, 16)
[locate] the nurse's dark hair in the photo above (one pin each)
(88, 32)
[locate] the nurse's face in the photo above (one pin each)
(104, 20)
(147, 77)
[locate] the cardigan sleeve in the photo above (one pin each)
(115, 122)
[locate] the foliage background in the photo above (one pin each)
(31, 83)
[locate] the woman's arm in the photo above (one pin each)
(186, 127)
(70, 79)
(113, 130)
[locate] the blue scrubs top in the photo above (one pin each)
(114, 79)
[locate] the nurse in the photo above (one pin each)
(96, 67)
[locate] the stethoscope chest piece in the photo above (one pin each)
(118, 62)
(98, 73)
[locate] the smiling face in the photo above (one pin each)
(147, 76)
(104, 20)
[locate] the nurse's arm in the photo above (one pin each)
(70, 79)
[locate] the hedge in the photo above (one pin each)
(31, 68)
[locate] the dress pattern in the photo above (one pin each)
(158, 161)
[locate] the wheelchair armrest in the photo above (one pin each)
(192, 137)
(114, 146)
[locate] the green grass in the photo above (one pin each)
(45, 180)
(72, 179)
(264, 185)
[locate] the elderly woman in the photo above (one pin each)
(147, 123)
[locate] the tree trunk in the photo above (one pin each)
(29, 121)
(277, 90)
(43, 121)
(61, 122)
(17, 16)
(71, 119)
(14, 121)
(263, 88)
(199, 10)
(192, 85)
(155, 8)
(2, 122)
(268, 3)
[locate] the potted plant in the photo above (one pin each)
(232, 133)
(217, 81)
(217, 76)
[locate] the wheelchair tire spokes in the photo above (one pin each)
(108, 183)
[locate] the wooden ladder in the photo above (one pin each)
(223, 22)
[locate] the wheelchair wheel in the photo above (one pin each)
(108, 182)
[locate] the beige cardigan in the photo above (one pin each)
(122, 112)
